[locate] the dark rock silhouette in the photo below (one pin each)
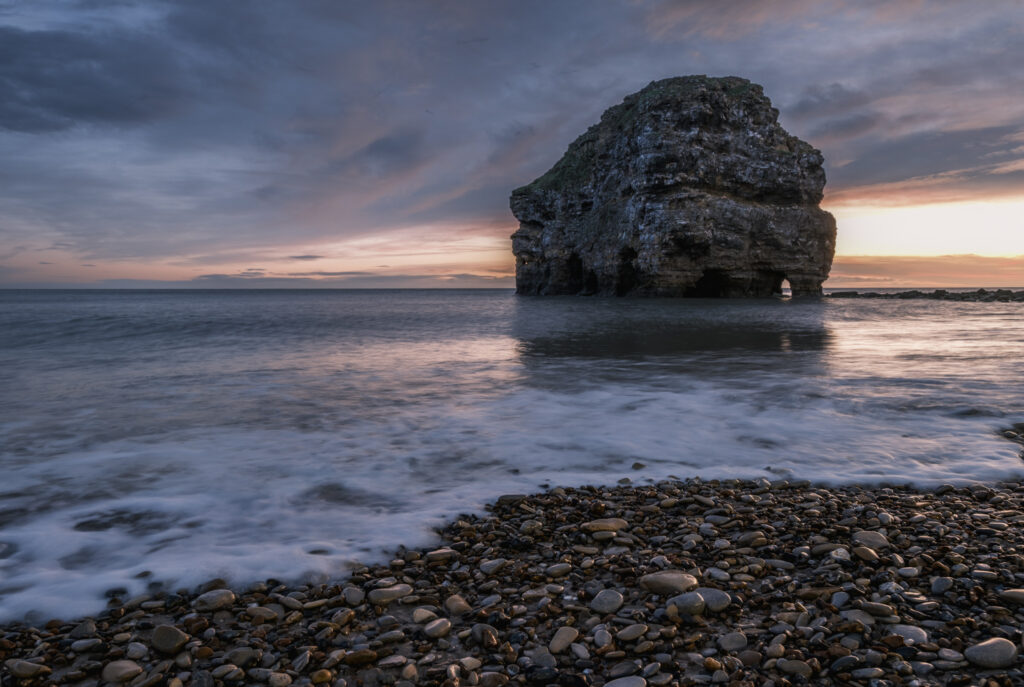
(688, 188)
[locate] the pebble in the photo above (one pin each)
(84, 645)
(136, 651)
(858, 615)
(214, 600)
(558, 570)
(992, 653)
(668, 582)
(26, 669)
(867, 673)
(911, 633)
(734, 641)
(86, 628)
(353, 595)
(605, 525)
(792, 666)
(456, 605)
(950, 655)
(168, 639)
(279, 680)
(631, 632)
(438, 628)
(386, 595)
(562, 638)
(865, 554)
(422, 615)
(714, 599)
(1013, 596)
(630, 681)
(492, 566)
(941, 585)
(871, 539)
(121, 671)
(607, 601)
(690, 603)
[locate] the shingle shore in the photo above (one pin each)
(677, 583)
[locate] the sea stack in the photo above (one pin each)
(689, 187)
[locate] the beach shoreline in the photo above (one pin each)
(675, 583)
(978, 296)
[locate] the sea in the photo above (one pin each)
(153, 440)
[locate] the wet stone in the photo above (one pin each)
(631, 681)
(734, 641)
(456, 605)
(690, 603)
(86, 628)
(279, 680)
(992, 653)
(562, 638)
(867, 673)
(715, 599)
(26, 669)
(605, 525)
(668, 582)
(386, 595)
(607, 601)
(168, 639)
(423, 615)
(243, 657)
(622, 669)
(437, 628)
(911, 633)
(794, 667)
(1015, 596)
(214, 600)
(558, 570)
(353, 595)
(632, 632)
(85, 645)
(121, 671)
(871, 539)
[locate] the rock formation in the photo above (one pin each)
(688, 188)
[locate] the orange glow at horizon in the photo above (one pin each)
(987, 228)
(969, 243)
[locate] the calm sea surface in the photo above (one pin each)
(174, 436)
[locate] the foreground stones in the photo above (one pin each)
(689, 187)
(679, 584)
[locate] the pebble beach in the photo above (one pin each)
(676, 583)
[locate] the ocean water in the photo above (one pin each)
(163, 438)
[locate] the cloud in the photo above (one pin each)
(136, 133)
(330, 274)
(53, 80)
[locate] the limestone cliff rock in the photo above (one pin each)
(690, 187)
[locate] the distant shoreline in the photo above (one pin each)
(676, 583)
(979, 296)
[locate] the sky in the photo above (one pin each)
(262, 143)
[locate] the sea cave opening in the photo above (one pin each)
(712, 284)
